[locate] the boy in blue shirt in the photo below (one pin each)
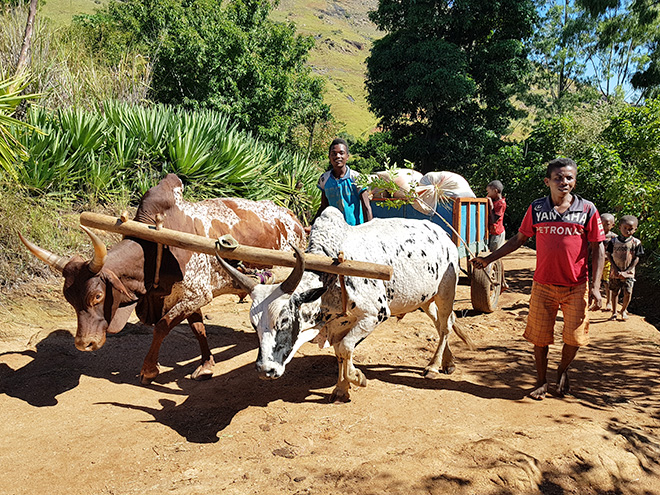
(339, 187)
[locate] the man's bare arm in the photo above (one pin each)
(366, 205)
(509, 247)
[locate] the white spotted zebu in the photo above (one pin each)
(105, 290)
(309, 305)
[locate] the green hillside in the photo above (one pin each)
(343, 35)
(61, 11)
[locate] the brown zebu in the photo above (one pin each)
(105, 290)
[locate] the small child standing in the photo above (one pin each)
(623, 252)
(607, 219)
(496, 209)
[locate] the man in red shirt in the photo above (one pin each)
(565, 226)
(496, 209)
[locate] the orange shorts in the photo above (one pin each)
(544, 303)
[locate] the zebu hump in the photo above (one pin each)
(259, 223)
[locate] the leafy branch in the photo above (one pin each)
(411, 196)
(377, 182)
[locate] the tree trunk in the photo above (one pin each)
(23, 57)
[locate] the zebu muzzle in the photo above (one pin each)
(269, 372)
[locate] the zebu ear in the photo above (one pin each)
(308, 296)
(111, 278)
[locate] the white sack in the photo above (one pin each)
(433, 183)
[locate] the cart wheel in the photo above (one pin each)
(483, 292)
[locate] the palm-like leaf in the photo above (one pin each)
(150, 126)
(294, 184)
(191, 145)
(11, 150)
(87, 130)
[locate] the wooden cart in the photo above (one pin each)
(468, 217)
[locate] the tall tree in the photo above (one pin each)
(558, 51)
(630, 29)
(442, 78)
(602, 44)
(223, 55)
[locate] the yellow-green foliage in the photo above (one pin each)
(343, 35)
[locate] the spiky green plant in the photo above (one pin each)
(11, 96)
(294, 184)
(52, 165)
(151, 126)
(87, 130)
(125, 149)
(191, 146)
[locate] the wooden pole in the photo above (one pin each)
(249, 254)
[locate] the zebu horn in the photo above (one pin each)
(242, 280)
(100, 251)
(54, 260)
(292, 281)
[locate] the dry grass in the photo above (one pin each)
(53, 225)
(64, 70)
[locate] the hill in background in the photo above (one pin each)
(343, 35)
(62, 11)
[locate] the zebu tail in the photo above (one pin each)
(461, 331)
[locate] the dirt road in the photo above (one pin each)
(80, 423)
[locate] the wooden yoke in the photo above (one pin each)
(248, 254)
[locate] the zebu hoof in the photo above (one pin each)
(431, 373)
(147, 379)
(202, 373)
(358, 379)
(148, 375)
(340, 395)
(448, 370)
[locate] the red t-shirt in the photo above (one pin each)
(499, 207)
(562, 241)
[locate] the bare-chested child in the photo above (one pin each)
(623, 252)
(566, 226)
(607, 219)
